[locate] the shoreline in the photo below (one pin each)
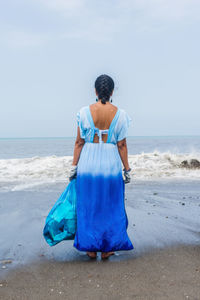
(171, 273)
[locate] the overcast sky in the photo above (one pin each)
(53, 50)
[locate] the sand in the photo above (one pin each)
(164, 274)
(164, 226)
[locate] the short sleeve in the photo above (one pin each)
(124, 124)
(80, 124)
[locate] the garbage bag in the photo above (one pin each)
(61, 221)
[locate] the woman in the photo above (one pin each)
(100, 148)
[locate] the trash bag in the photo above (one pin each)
(61, 221)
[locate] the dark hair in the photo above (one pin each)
(104, 86)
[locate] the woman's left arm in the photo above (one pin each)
(77, 147)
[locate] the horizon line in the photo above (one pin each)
(70, 137)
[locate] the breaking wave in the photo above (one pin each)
(19, 174)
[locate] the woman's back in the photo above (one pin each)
(92, 119)
(102, 116)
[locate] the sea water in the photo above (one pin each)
(32, 162)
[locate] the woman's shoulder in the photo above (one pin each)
(124, 117)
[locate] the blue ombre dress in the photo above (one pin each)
(101, 216)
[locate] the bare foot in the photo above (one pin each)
(92, 254)
(106, 254)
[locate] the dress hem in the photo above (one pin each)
(102, 250)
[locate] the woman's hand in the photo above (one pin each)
(72, 172)
(126, 175)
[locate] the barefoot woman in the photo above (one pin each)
(100, 148)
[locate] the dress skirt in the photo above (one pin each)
(101, 216)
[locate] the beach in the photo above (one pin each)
(164, 274)
(164, 222)
(163, 208)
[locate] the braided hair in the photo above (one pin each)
(104, 86)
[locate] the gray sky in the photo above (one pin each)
(53, 50)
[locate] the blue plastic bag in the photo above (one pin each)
(61, 221)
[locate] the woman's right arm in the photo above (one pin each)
(77, 147)
(123, 152)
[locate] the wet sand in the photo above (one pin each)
(164, 274)
(164, 226)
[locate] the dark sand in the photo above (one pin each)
(161, 215)
(164, 274)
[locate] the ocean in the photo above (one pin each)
(28, 163)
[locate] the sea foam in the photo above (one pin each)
(19, 174)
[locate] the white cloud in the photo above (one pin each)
(102, 21)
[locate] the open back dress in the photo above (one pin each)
(101, 216)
